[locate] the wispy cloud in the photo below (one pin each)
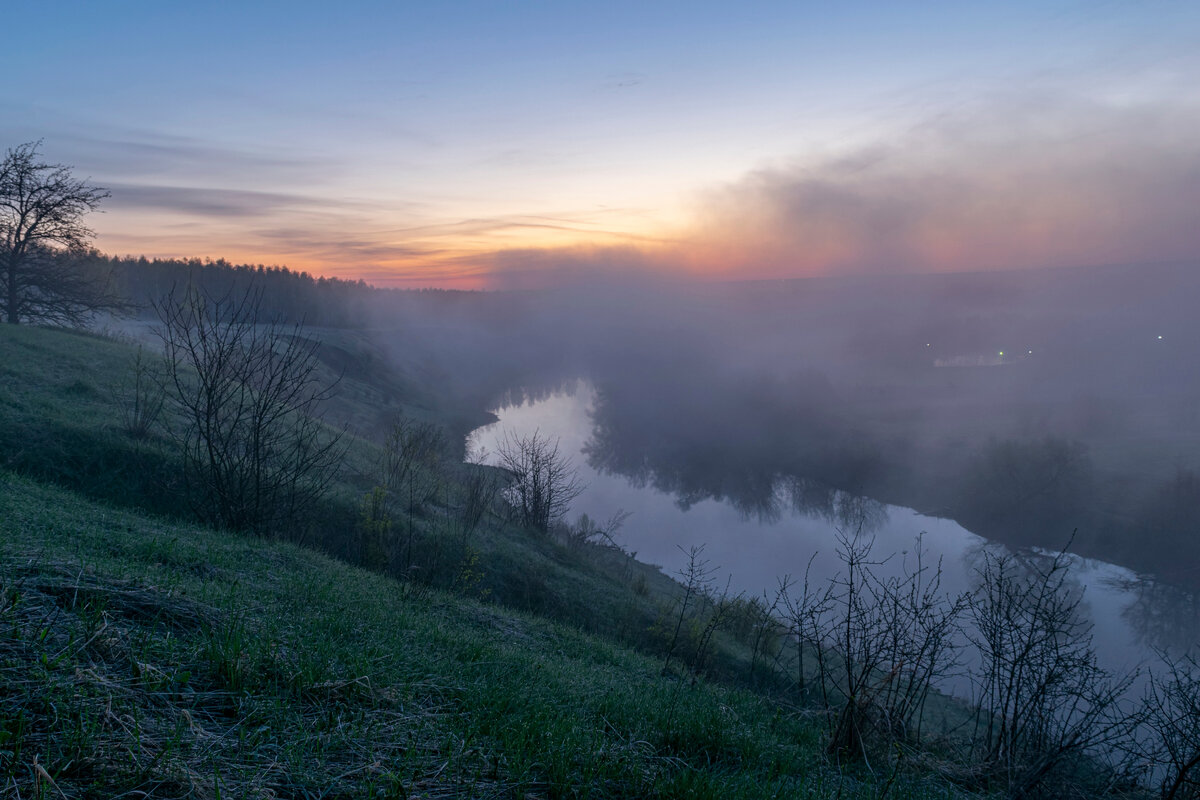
(208, 202)
(1007, 183)
(136, 155)
(1017, 182)
(1023, 183)
(581, 223)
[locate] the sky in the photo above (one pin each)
(495, 144)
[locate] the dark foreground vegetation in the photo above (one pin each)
(163, 660)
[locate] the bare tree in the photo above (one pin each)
(718, 611)
(805, 615)
(45, 273)
(697, 579)
(870, 648)
(890, 642)
(544, 482)
(246, 396)
(757, 622)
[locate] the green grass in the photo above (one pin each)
(144, 656)
(154, 658)
(60, 422)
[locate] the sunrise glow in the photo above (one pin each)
(466, 144)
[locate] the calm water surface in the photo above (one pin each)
(1131, 617)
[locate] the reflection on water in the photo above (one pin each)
(761, 522)
(1165, 617)
(762, 457)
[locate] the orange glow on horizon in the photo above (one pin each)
(783, 223)
(436, 257)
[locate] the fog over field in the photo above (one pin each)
(1030, 406)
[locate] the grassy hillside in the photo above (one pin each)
(59, 420)
(142, 654)
(156, 659)
(62, 421)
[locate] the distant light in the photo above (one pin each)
(1160, 336)
(1001, 352)
(927, 344)
(1030, 352)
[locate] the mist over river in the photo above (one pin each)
(755, 549)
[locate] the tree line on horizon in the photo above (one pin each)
(51, 274)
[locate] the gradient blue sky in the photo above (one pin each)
(488, 143)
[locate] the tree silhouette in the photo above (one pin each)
(45, 275)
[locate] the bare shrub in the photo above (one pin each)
(246, 394)
(870, 651)
(544, 482)
(413, 472)
(374, 530)
(1044, 702)
(139, 396)
(412, 459)
(588, 532)
(697, 580)
(756, 622)
(881, 644)
(479, 487)
(806, 616)
(1172, 709)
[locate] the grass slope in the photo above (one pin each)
(144, 658)
(61, 422)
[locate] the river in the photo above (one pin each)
(1131, 617)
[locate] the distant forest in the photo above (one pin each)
(288, 295)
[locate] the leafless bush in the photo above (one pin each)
(587, 531)
(412, 472)
(1172, 706)
(806, 615)
(1043, 700)
(921, 623)
(697, 580)
(544, 482)
(715, 611)
(412, 462)
(374, 530)
(479, 488)
(871, 650)
(756, 622)
(139, 396)
(881, 644)
(246, 395)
